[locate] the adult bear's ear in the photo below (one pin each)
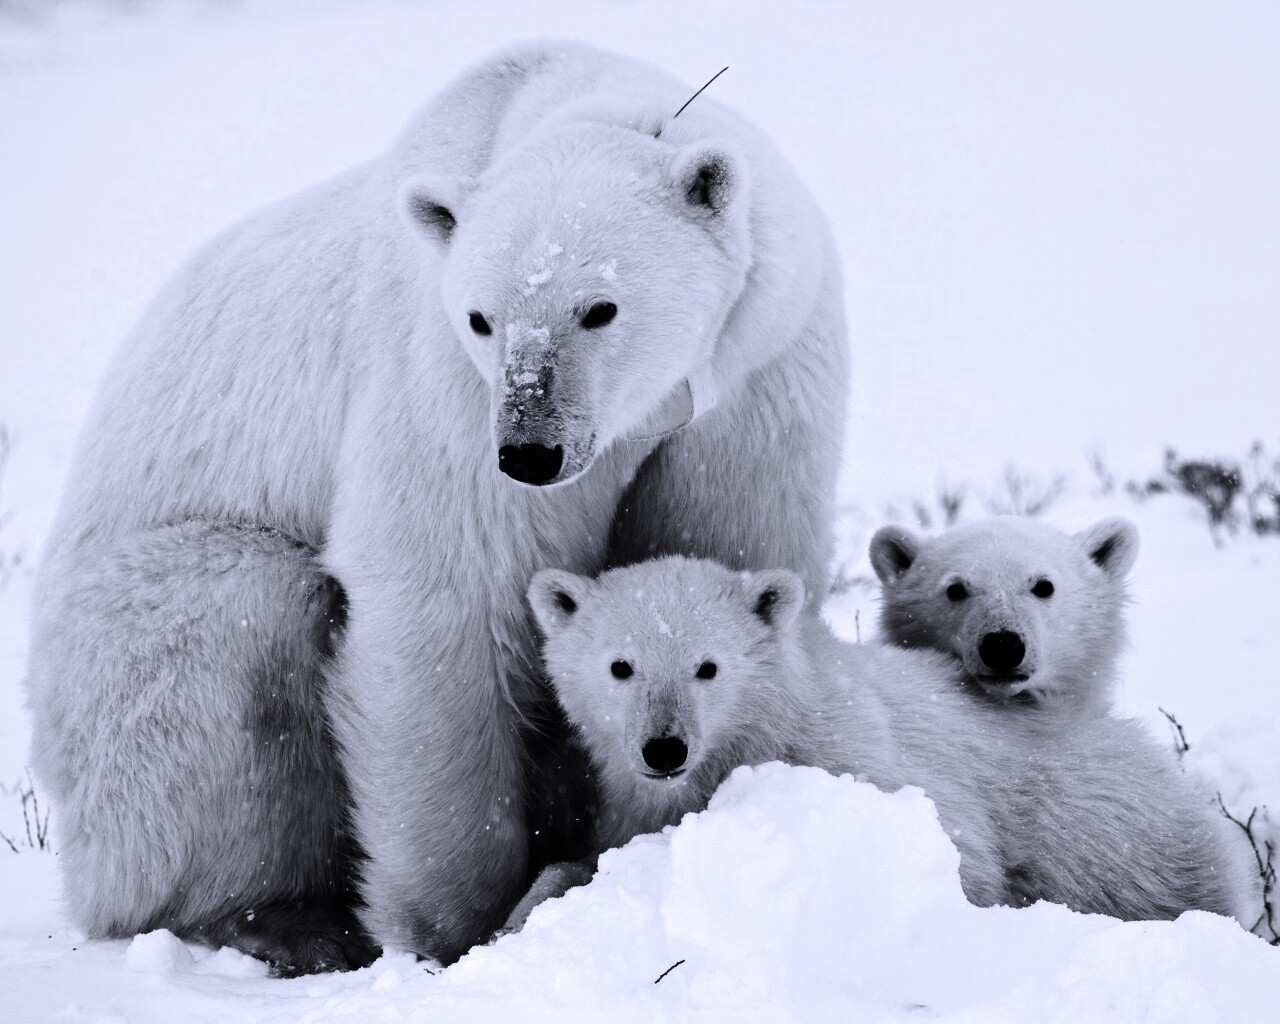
(555, 596)
(429, 204)
(775, 596)
(1112, 545)
(708, 178)
(893, 552)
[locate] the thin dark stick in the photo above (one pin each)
(678, 962)
(1180, 743)
(1266, 870)
(26, 820)
(690, 100)
(42, 828)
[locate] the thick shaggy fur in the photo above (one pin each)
(310, 401)
(1086, 813)
(989, 578)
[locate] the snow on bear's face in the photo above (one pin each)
(587, 275)
(667, 668)
(1026, 608)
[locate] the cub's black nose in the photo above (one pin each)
(1002, 651)
(531, 463)
(666, 755)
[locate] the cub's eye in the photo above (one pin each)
(621, 670)
(599, 315)
(1043, 589)
(478, 323)
(707, 670)
(957, 592)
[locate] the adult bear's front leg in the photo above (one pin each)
(431, 750)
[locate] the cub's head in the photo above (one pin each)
(1026, 608)
(669, 669)
(588, 275)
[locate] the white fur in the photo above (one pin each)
(1072, 637)
(312, 374)
(1087, 813)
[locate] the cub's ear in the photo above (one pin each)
(708, 178)
(555, 596)
(893, 552)
(429, 204)
(775, 596)
(1112, 545)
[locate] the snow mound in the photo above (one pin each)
(158, 952)
(797, 894)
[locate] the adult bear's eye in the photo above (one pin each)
(621, 670)
(478, 323)
(707, 670)
(1043, 589)
(599, 315)
(957, 592)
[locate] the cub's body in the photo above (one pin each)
(676, 671)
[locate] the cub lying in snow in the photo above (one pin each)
(676, 671)
(1033, 614)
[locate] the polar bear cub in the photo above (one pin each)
(1032, 613)
(676, 671)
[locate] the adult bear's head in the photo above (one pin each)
(588, 275)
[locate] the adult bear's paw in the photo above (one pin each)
(295, 937)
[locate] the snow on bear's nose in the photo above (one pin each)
(1002, 651)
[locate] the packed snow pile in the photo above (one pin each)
(796, 895)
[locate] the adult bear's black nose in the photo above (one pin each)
(666, 754)
(531, 463)
(1002, 651)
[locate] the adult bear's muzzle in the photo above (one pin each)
(535, 464)
(537, 424)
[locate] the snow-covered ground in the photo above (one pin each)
(1060, 234)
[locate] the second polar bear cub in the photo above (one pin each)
(1032, 613)
(676, 671)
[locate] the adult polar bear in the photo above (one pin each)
(544, 272)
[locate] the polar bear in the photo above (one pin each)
(676, 671)
(280, 644)
(1033, 614)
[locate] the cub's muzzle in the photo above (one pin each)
(665, 756)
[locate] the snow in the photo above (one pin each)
(1060, 235)
(730, 916)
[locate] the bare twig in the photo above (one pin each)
(667, 971)
(41, 840)
(1024, 495)
(35, 824)
(1106, 478)
(699, 92)
(951, 501)
(1264, 855)
(1180, 743)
